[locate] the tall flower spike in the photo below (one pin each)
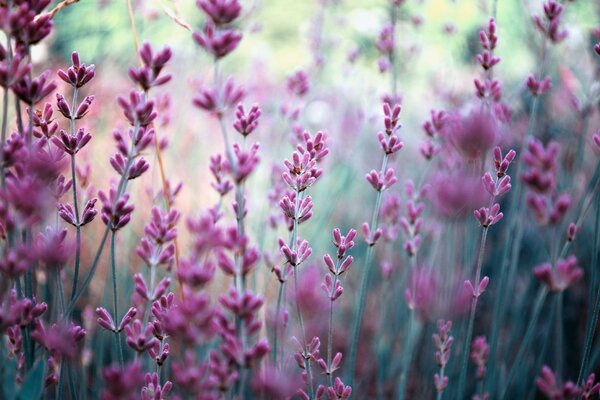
(116, 212)
(32, 91)
(137, 109)
(148, 75)
(488, 216)
(220, 11)
(564, 274)
(245, 124)
(78, 74)
(71, 144)
(218, 42)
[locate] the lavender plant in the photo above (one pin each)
(231, 269)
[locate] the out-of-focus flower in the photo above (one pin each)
(480, 351)
(123, 383)
(297, 83)
(549, 386)
(216, 41)
(474, 135)
(565, 273)
(220, 11)
(32, 91)
(148, 75)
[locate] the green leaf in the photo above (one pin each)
(33, 383)
(9, 379)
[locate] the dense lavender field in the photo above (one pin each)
(313, 199)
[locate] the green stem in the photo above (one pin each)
(591, 327)
(330, 330)
(510, 255)
(113, 264)
(121, 188)
(559, 335)
(467, 343)
(529, 332)
(276, 325)
(408, 348)
(302, 330)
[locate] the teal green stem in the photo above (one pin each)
(409, 345)
(276, 324)
(302, 330)
(330, 329)
(559, 336)
(113, 264)
(591, 326)
(525, 344)
(90, 274)
(464, 363)
(364, 284)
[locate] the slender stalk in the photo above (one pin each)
(362, 294)
(525, 344)
(559, 335)
(303, 331)
(75, 202)
(330, 330)
(467, 343)
(413, 333)
(90, 274)
(591, 326)
(510, 254)
(276, 325)
(113, 264)
(294, 244)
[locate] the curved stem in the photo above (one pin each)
(364, 284)
(121, 188)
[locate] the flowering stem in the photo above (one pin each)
(113, 264)
(330, 331)
(537, 309)
(584, 207)
(77, 227)
(362, 294)
(121, 188)
(294, 244)
(510, 253)
(591, 327)
(467, 344)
